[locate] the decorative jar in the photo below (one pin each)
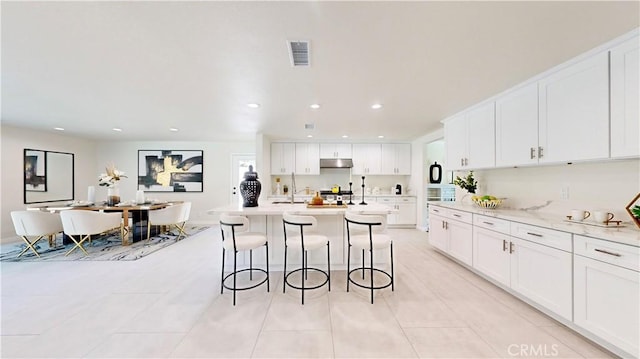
(250, 188)
(113, 195)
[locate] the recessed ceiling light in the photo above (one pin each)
(173, 129)
(381, 136)
(309, 136)
(58, 128)
(117, 129)
(345, 136)
(376, 106)
(315, 106)
(253, 105)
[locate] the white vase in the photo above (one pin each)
(113, 195)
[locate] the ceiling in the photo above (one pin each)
(147, 66)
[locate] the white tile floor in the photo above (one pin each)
(168, 305)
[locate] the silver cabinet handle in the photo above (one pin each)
(534, 234)
(539, 152)
(466, 161)
(436, 210)
(533, 153)
(457, 215)
(511, 247)
(607, 252)
(504, 245)
(489, 223)
(461, 161)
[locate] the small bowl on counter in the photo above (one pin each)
(487, 203)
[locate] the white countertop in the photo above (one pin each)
(270, 209)
(629, 234)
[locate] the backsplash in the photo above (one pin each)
(333, 176)
(590, 186)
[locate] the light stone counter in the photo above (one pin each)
(629, 234)
(271, 209)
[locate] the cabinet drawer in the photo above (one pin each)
(405, 200)
(609, 252)
(466, 217)
(386, 200)
(438, 211)
(494, 224)
(544, 236)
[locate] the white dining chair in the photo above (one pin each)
(37, 224)
(175, 215)
(80, 225)
(368, 233)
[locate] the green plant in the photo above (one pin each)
(636, 211)
(468, 183)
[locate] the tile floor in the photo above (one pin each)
(168, 304)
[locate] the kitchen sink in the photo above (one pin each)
(288, 202)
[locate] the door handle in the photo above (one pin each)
(533, 153)
(607, 252)
(504, 245)
(539, 151)
(511, 247)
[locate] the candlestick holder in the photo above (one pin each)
(350, 194)
(363, 202)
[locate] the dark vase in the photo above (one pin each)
(435, 173)
(250, 188)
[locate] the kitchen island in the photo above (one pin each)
(267, 218)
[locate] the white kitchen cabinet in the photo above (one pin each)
(396, 159)
(283, 158)
(307, 159)
(366, 159)
(405, 215)
(574, 112)
(539, 272)
(451, 231)
(470, 138)
(625, 116)
(335, 150)
(606, 291)
(517, 127)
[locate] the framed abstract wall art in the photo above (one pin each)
(35, 168)
(170, 171)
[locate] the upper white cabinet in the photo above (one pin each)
(470, 138)
(396, 159)
(574, 112)
(335, 150)
(366, 159)
(517, 127)
(283, 158)
(625, 117)
(307, 159)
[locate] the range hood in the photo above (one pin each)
(336, 163)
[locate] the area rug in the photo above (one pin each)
(102, 248)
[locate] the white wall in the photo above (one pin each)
(90, 159)
(14, 141)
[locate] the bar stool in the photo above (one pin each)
(238, 239)
(368, 232)
(305, 239)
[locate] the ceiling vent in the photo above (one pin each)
(309, 126)
(299, 53)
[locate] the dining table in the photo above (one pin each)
(138, 213)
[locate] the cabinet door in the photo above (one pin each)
(542, 274)
(481, 137)
(403, 158)
(343, 150)
(460, 241)
(406, 211)
(283, 158)
(574, 112)
(388, 159)
(517, 127)
(455, 136)
(625, 117)
(335, 150)
(366, 159)
(307, 159)
(437, 232)
(491, 254)
(606, 302)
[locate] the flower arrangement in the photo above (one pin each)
(468, 183)
(112, 176)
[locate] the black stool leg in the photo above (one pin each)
(348, 264)
(302, 273)
(284, 270)
(329, 266)
(267, 248)
(371, 265)
(235, 274)
(222, 277)
(392, 275)
(363, 264)
(250, 264)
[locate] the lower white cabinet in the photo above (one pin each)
(451, 231)
(406, 210)
(538, 272)
(606, 294)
